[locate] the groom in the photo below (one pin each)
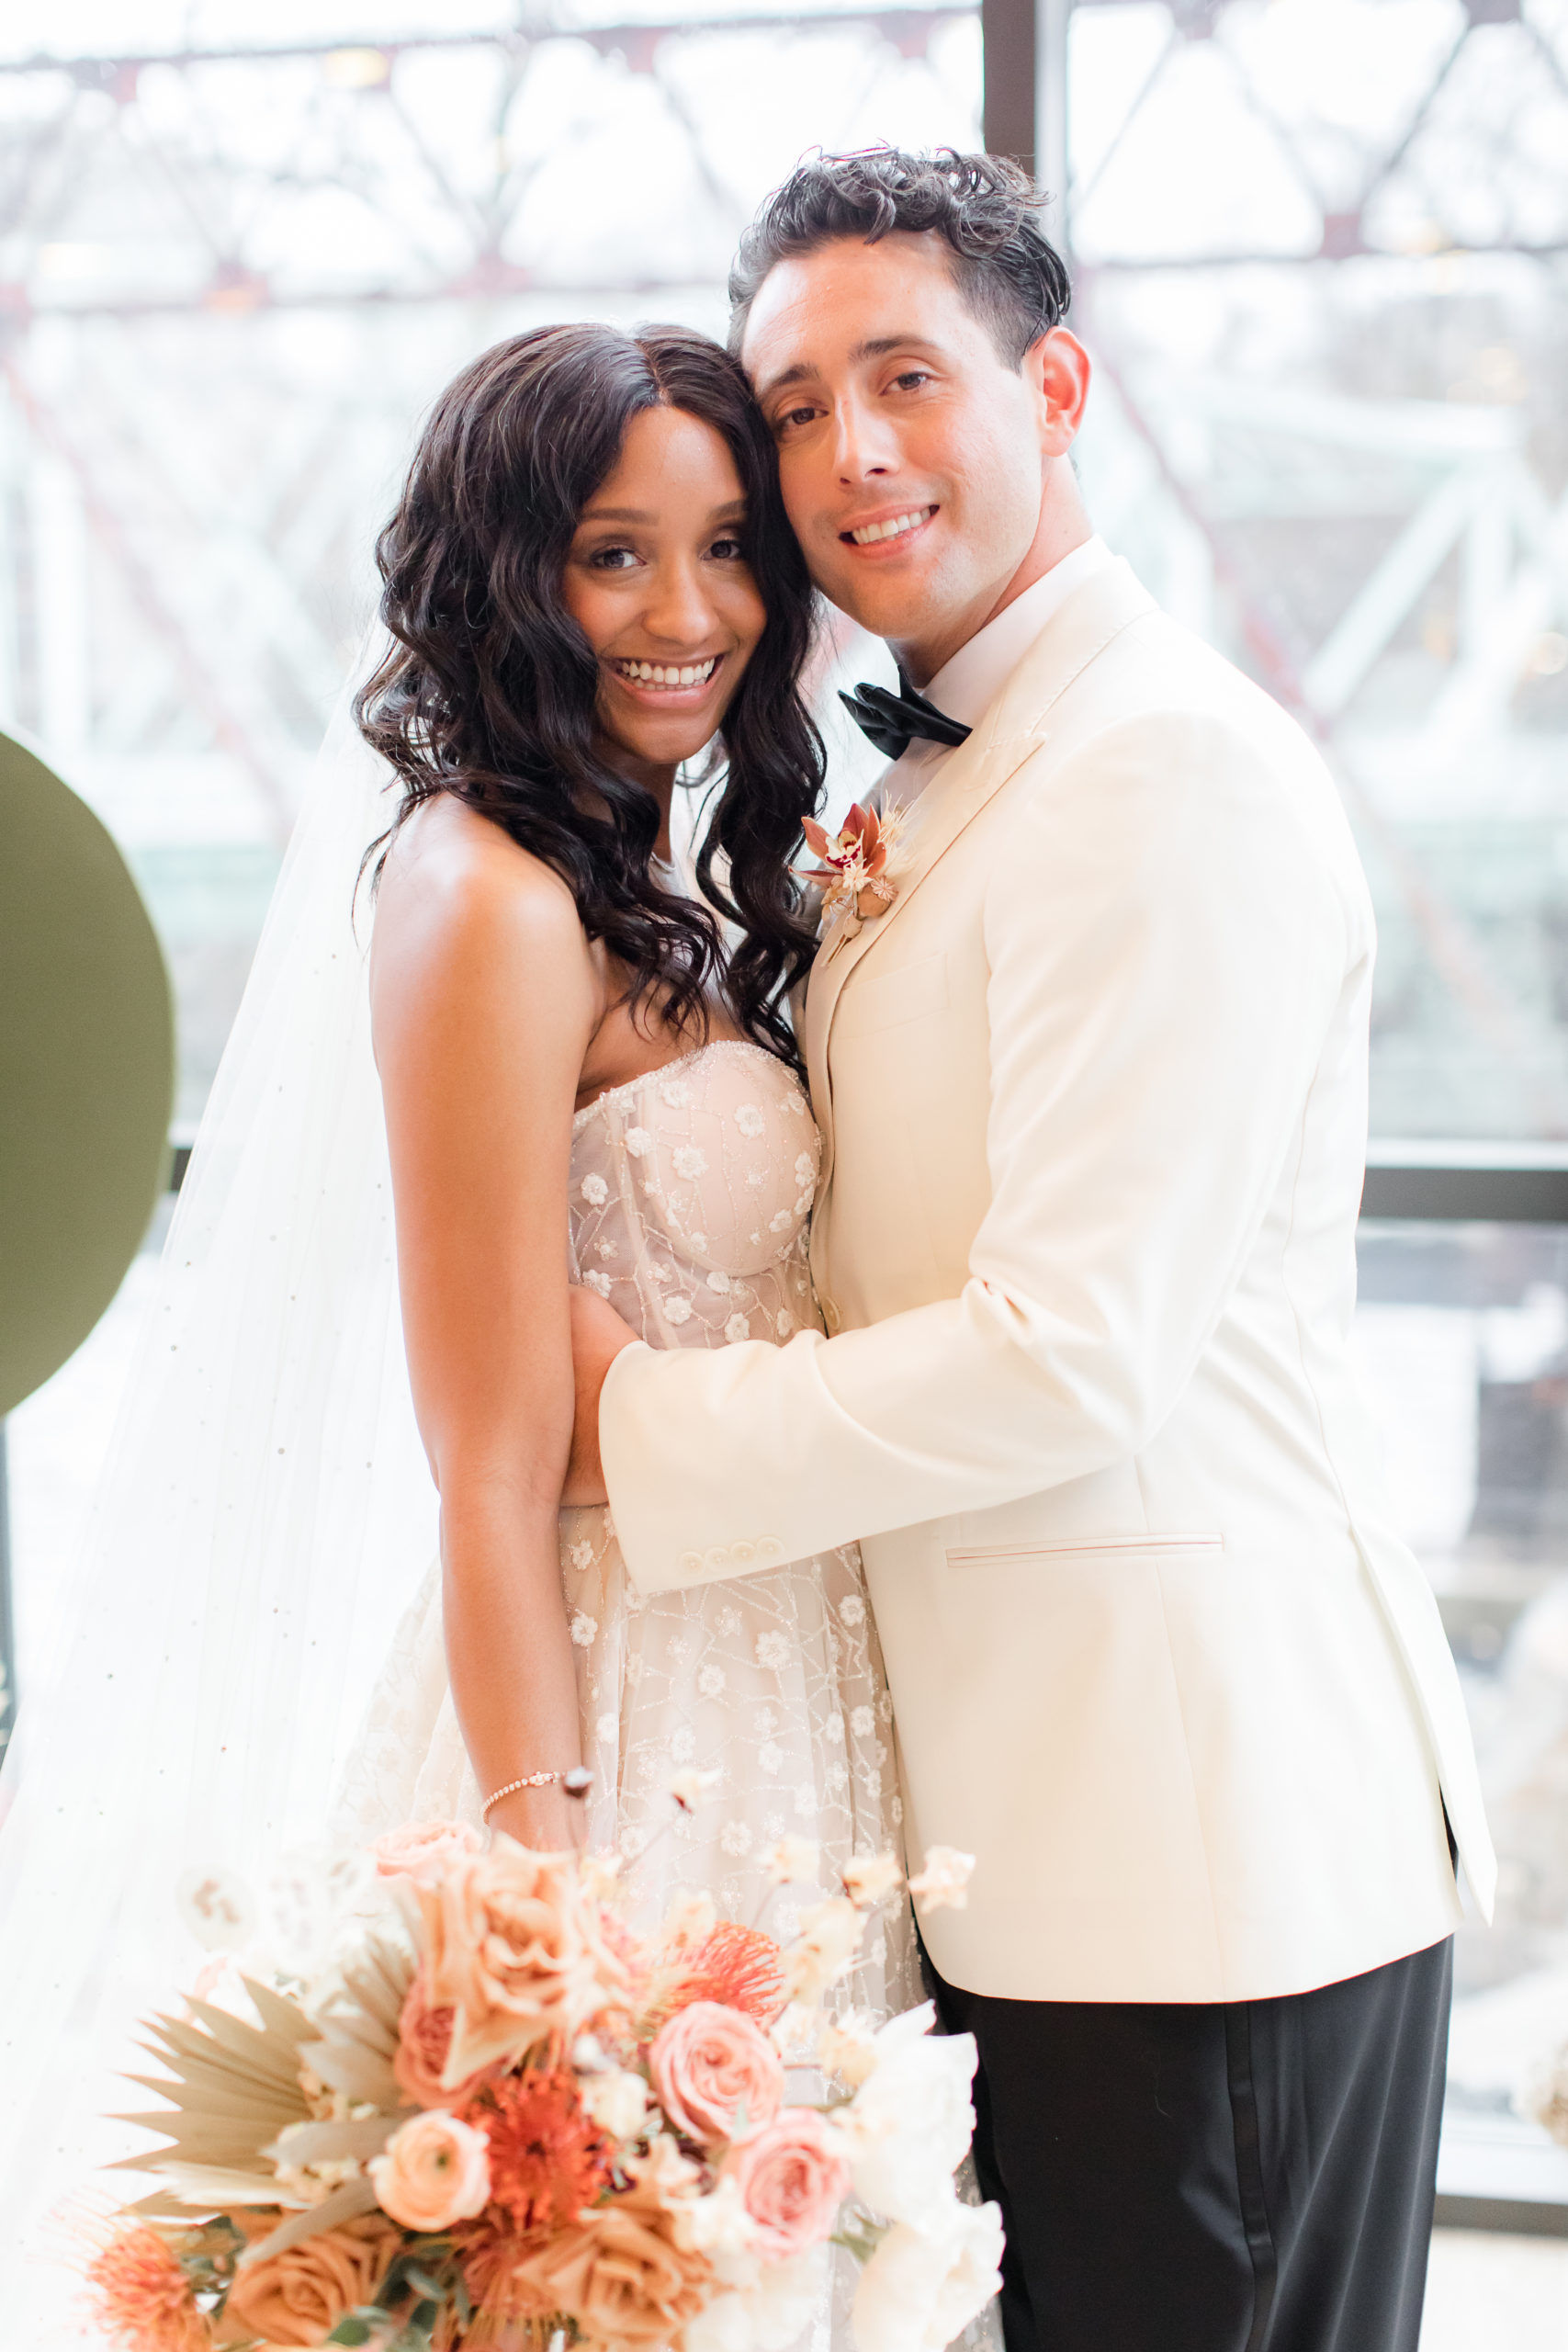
(1092, 1087)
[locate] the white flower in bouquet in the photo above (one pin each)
(847, 2047)
(616, 2100)
(690, 1920)
(829, 1939)
(869, 1878)
(720, 2226)
(794, 2033)
(689, 1787)
(792, 1861)
(944, 1884)
(772, 2312)
(922, 2287)
(599, 1874)
(908, 2128)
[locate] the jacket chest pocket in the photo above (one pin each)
(874, 1001)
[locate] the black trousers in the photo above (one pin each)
(1256, 2177)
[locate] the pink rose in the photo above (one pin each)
(424, 1848)
(716, 2072)
(424, 2041)
(433, 2172)
(792, 2177)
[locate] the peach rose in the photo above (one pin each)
(434, 2171)
(517, 1950)
(299, 2296)
(424, 1849)
(619, 2273)
(425, 2039)
(794, 2178)
(716, 2072)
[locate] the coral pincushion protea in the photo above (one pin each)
(739, 1967)
(142, 2298)
(547, 2158)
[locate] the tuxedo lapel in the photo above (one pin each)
(1013, 728)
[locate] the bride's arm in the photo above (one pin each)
(483, 1001)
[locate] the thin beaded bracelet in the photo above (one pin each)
(576, 1783)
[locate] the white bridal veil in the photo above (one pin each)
(263, 1517)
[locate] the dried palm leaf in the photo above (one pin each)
(326, 2143)
(232, 2088)
(357, 2025)
(344, 2204)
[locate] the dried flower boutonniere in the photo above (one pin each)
(856, 869)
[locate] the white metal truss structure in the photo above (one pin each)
(1333, 428)
(1320, 251)
(233, 272)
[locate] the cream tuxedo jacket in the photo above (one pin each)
(1093, 1096)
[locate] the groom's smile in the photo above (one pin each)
(913, 454)
(884, 530)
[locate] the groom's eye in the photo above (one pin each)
(911, 378)
(793, 416)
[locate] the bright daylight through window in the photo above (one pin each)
(1320, 254)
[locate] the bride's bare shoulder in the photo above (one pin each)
(453, 878)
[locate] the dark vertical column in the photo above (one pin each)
(1007, 32)
(1024, 101)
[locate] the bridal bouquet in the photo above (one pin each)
(502, 2121)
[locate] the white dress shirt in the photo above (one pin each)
(965, 687)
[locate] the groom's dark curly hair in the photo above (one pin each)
(983, 207)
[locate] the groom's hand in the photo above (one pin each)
(598, 1335)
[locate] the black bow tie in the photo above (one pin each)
(894, 721)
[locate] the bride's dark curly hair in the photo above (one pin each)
(488, 691)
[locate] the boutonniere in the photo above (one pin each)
(858, 868)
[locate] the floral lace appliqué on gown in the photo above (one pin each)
(691, 1190)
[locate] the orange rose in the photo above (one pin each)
(516, 1950)
(299, 2295)
(620, 2274)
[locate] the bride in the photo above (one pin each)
(586, 1072)
(588, 580)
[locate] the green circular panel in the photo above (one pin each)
(86, 1070)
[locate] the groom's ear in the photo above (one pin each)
(1056, 368)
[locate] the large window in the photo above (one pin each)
(1321, 249)
(1322, 258)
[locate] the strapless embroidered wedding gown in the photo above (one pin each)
(691, 1190)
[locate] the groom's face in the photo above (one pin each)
(912, 455)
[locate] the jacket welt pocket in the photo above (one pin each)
(1107, 1548)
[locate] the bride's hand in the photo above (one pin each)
(598, 1335)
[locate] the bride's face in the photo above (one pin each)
(657, 578)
